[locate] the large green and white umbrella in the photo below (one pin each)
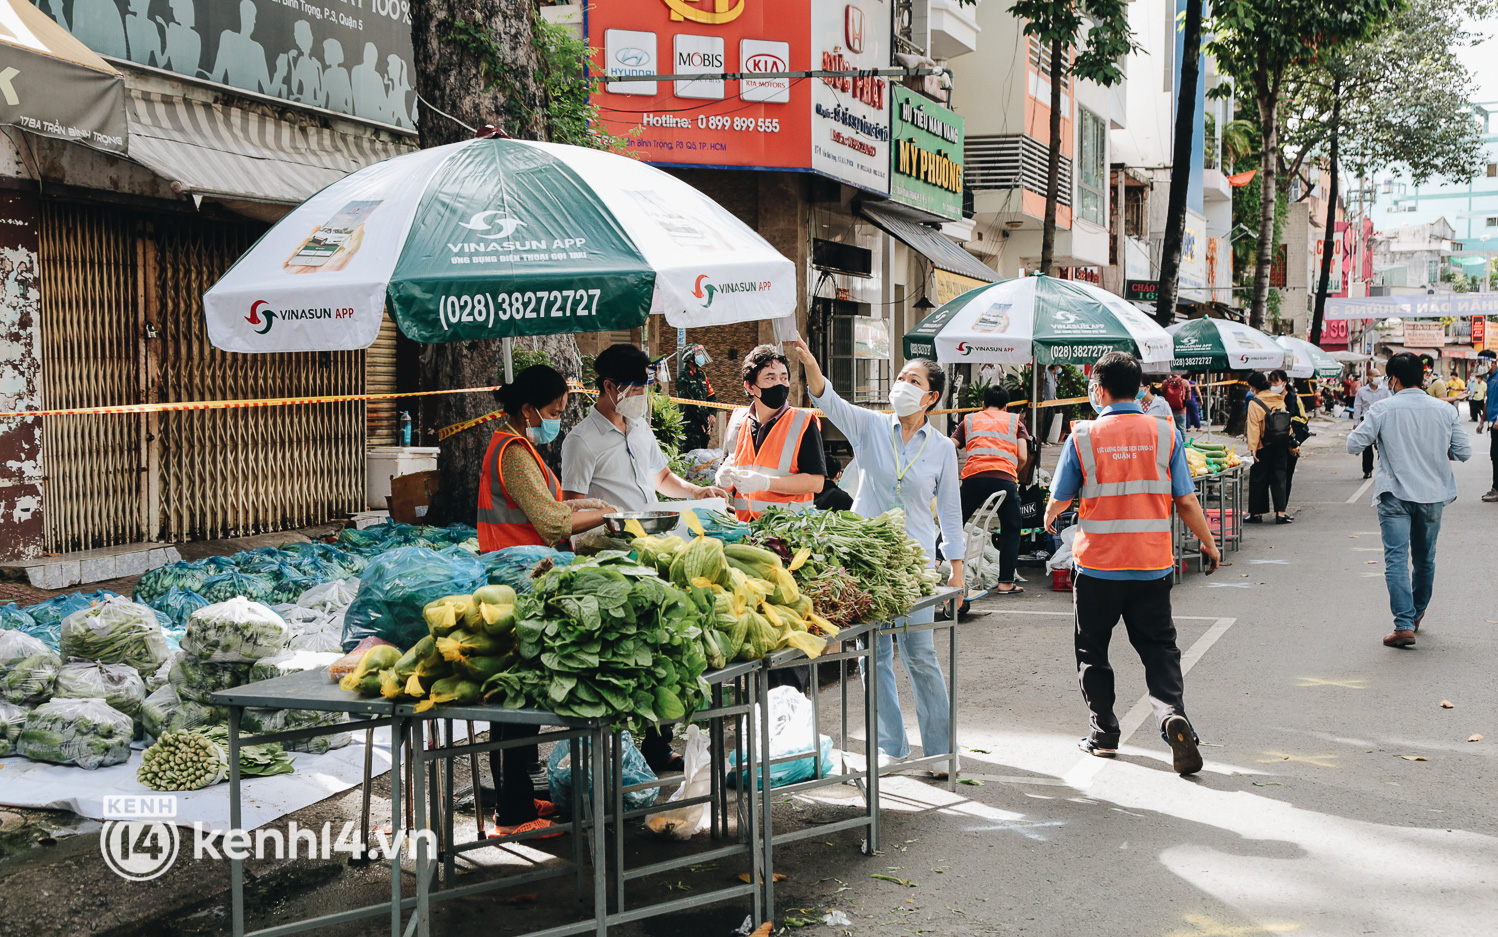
(1209, 344)
(1036, 318)
(1306, 360)
(495, 238)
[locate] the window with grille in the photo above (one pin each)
(1136, 208)
(1092, 148)
(1040, 60)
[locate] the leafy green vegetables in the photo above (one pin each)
(115, 631)
(236, 631)
(119, 685)
(28, 669)
(83, 732)
(192, 759)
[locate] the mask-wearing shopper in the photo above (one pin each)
(998, 445)
(775, 454)
(1368, 395)
(1269, 439)
(1487, 369)
(1417, 437)
(1128, 469)
(906, 464)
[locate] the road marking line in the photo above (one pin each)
(1088, 767)
(1367, 483)
(1352, 683)
(1320, 761)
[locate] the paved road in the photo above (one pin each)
(1339, 797)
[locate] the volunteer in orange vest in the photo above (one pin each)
(997, 444)
(774, 450)
(520, 500)
(520, 503)
(1128, 469)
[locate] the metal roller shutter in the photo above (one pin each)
(379, 377)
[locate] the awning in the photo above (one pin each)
(930, 243)
(53, 85)
(1445, 351)
(222, 151)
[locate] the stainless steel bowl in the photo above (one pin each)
(652, 522)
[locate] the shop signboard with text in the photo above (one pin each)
(850, 124)
(753, 123)
(926, 158)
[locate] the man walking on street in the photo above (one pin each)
(1417, 437)
(1128, 469)
(1487, 378)
(1368, 395)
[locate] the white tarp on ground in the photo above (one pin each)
(36, 785)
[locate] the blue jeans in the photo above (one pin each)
(932, 709)
(1409, 531)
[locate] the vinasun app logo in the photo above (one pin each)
(263, 317)
(141, 840)
(707, 291)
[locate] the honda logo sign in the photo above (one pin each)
(853, 28)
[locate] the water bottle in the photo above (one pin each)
(405, 428)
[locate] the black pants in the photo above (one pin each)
(1047, 415)
(1267, 479)
(1368, 460)
(1144, 605)
(1475, 409)
(977, 490)
(1291, 460)
(1493, 455)
(511, 769)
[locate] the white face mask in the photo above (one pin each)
(632, 408)
(1375, 381)
(1276, 388)
(905, 397)
(1094, 397)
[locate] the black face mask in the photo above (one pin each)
(775, 396)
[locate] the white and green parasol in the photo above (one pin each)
(1037, 318)
(496, 238)
(1303, 360)
(1209, 344)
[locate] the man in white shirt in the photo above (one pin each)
(612, 455)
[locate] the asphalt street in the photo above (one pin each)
(1339, 796)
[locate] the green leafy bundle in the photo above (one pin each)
(892, 568)
(192, 759)
(605, 638)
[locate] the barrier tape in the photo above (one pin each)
(135, 408)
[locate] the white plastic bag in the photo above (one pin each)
(119, 685)
(88, 733)
(237, 631)
(330, 596)
(792, 732)
(1062, 558)
(686, 822)
(115, 631)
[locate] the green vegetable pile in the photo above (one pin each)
(604, 637)
(28, 669)
(115, 631)
(12, 718)
(192, 759)
(888, 565)
(83, 732)
(235, 631)
(119, 685)
(165, 711)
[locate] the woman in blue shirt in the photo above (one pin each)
(905, 463)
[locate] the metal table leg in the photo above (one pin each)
(422, 915)
(952, 697)
(236, 866)
(397, 740)
(600, 845)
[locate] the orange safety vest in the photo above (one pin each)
(501, 522)
(992, 443)
(776, 458)
(1124, 518)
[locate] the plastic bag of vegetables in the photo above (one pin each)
(115, 631)
(119, 685)
(164, 711)
(12, 718)
(28, 669)
(14, 618)
(88, 733)
(266, 721)
(520, 567)
(158, 582)
(332, 596)
(237, 631)
(198, 680)
(48, 615)
(290, 586)
(398, 584)
(178, 604)
(234, 583)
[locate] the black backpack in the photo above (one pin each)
(1277, 426)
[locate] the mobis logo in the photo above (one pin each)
(263, 317)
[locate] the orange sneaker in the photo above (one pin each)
(527, 828)
(545, 809)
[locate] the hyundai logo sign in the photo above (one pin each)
(632, 57)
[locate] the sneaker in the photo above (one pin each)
(1491, 496)
(940, 772)
(886, 761)
(533, 825)
(1185, 756)
(1093, 747)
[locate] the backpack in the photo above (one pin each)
(1174, 391)
(1276, 426)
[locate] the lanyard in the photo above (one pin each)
(895, 450)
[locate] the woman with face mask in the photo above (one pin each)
(905, 463)
(520, 500)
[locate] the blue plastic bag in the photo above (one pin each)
(177, 605)
(792, 724)
(13, 618)
(636, 771)
(515, 566)
(395, 587)
(47, 616)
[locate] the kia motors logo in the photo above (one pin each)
(765, 63)
(853, 28)
(631, 57)
(481, 222)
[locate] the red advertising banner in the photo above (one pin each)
(1479, 333)
(764, 123)
(1335, 332)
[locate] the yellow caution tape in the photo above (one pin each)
(137, 408)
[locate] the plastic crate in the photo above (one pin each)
(1060, 580)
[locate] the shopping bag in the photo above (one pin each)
(792, 729)
(636, 771)
(686, 822)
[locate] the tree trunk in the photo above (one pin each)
(455, 75)
(1053, 161)
(1180, 172)
(1268, 120)
(1331, 220)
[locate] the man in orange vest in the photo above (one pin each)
(775, 455)
(997, 444)
(1128, 469)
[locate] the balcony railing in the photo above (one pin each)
(1012, 161)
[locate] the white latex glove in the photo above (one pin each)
(753, 481)
(727, 476)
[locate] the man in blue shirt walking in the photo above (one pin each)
(1487, 370)
(1417, 436)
